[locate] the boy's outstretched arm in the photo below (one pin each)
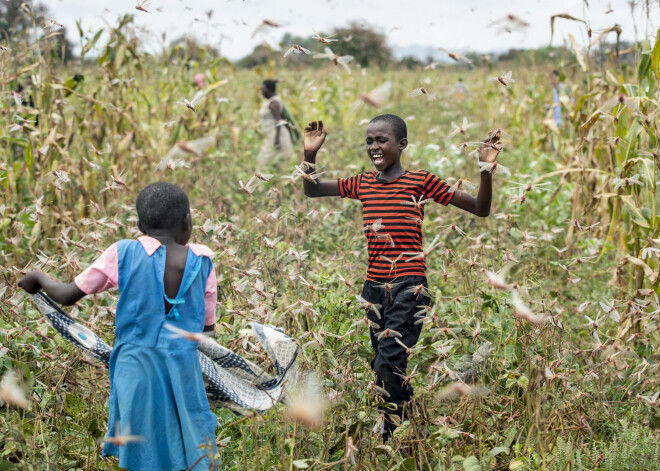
(65, 294)
(312, 142)
(479, 206)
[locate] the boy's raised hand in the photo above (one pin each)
(490, 147)
(314, 136)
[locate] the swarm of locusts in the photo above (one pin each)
(542, 334)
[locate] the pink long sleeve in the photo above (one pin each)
(210, 298)
(101, 275)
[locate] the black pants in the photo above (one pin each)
(398, 314)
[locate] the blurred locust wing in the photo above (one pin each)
(264, 26)
(343, 61)
(180, 149)
(419, 92)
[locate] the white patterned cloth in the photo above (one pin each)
(231, 381)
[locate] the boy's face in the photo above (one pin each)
(554, 79)
(383, 148)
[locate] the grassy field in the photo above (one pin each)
(576, 390)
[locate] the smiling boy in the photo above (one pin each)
(393, 211)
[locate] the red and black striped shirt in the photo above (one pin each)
(401, 229)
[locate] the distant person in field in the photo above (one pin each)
(461, 90)
(393, 202)
(199, 80)
(557, 91)
(156, 388)
(277, 139)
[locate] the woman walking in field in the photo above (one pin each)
(277, 138)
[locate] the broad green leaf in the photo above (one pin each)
(521, 381)
(496, 451)
(644, 66)
(630, 146)
(408, 464)
(471, 463)
(637, 216)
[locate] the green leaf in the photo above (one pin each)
(496, 451)
(636, 214)
(104, 58)
(655, 55)
(29, 159)
(471, 463)
(522, 381)
(80, 29)
(59, 340)
(614, 224)
(92, 42)
(644, 66)
(631, 143)
(18, 140)
(74, 404)
(580, 103)
(408, 465)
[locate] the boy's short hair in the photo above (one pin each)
(270, 85)
(399, 125)
(555, 72)
(162, 205)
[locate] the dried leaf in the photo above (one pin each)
(565, 16)
(578, 54)
(616, 29)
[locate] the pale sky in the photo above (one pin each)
(454, 25)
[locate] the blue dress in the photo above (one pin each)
(156, 386)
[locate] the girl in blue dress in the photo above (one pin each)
(157, 393)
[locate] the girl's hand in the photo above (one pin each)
(31, 282)
(314, 137)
